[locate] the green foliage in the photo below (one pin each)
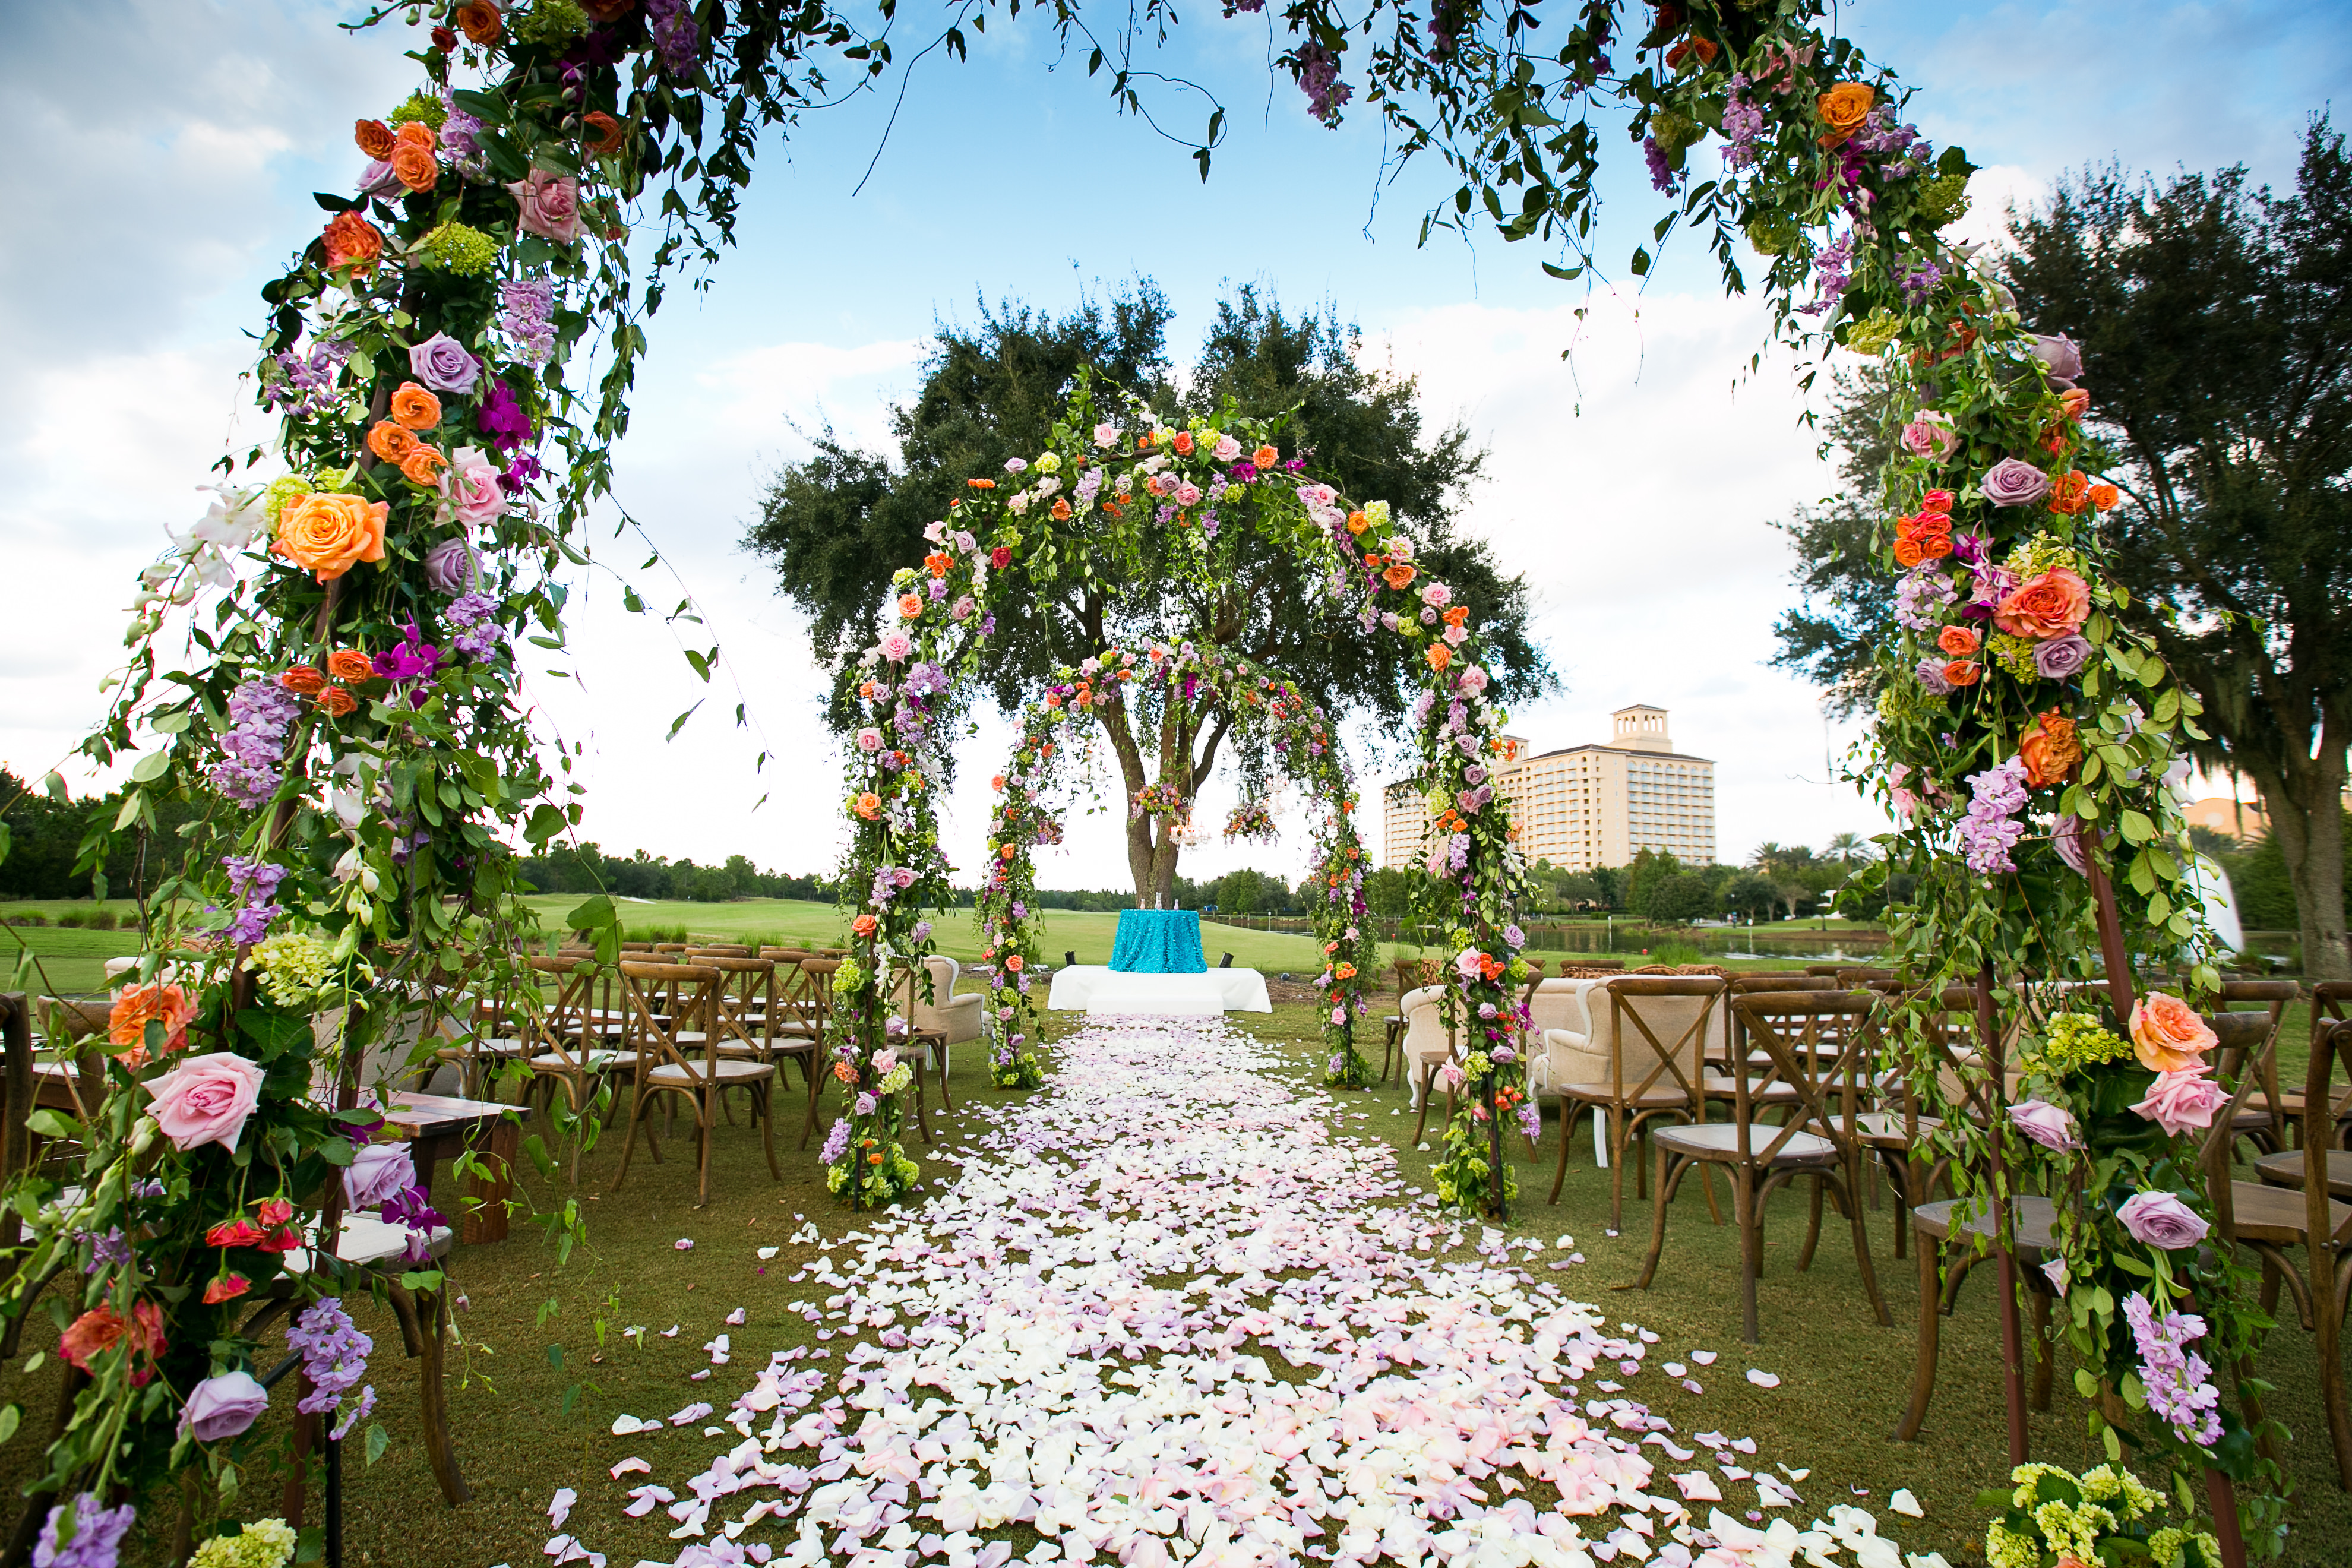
(586, 869)
(2264, 890)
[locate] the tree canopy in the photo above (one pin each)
(2214, 321)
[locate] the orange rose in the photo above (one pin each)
(390, 442)
(1439, 655)
(227, 1287)
(2070, 493)
(416, 133)
(863, 925)
(416, 167)
(126, 1022)
(1017, 963)
(302, 681)
(414, 407)
(910, 606)
(102, 1328)
(1703, 48)
(2049, 605)
(374, 138)
(1959, 641)
(610, 137)
(1357, 522)
(1265, 457)
(981, 484)
(869, 806)
(1061, 512)
(938, 562)
(1399, 575)
(2105, 497)
(329, 534)
(2074, 403)
(350, 664)
(1458, 616)
(1006, 851)
(1184, 442)
(1926, 537)
(334, 701)
(479, 20)
(1960, 673)
(1844, 109)
(2049, 751)
(2167, 1035)
(423, 466)
(352, 241)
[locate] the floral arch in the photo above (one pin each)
(1021, 820)
(1130, 474)
(448, 359)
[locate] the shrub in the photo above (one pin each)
(100, 919)
(71, 917)
(29, 918)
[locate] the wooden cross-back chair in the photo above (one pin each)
(1822, 1047)
(1654, 1070)
(572, 1045)
(672, 1062)
(2318, 1219)
(819, 972)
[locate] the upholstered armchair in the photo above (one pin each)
(957, 1017)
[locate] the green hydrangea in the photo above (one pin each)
(2107, 1483)
(2072, 1042)
(1049, 463)
(280, 491)
(419, 107)
(2004, 1548)
(2072, 1530)
(458, 247)
(896, 1080)
(1907, 699)
(1875, 332)
(847, 978)
(552, 23)
(294, 967)
(1376, 513)
(2168, 1548)
(2043, 553)
(1675, 131)
(267, 1544)
(1944, 199)
(1773, 235)
(2014, 654)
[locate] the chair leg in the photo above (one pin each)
(1560, 1172)
(946, 1101)
(1657, 1221)
(2329, 1330)
(763, 1106)
(1747, 1206)
(431, 1376)
(922, 1116)
(816, 1092)
(1421, 1122)
(1861, 1227)
(1813, 1231)
(706, 1118)
(629, 1143)
(2045, 1365)
(1616, 1172)
(1931, 1322)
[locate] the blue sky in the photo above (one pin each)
(168, 148)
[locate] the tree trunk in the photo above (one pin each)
(2306, 814)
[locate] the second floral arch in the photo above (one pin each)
(1108, 483)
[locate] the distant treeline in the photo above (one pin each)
(44, 835)
(586, 869)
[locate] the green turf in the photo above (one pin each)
(1844, 1376)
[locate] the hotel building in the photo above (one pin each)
(1588, 806)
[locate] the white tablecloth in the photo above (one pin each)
(1095, 988)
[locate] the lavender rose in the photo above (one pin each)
(2012, 482)
(2068, 841)
(2062, 361)
(1931, 676)
(2046, 1124)
(441, 363)
(378, 1173)
(2159, 1219)
(223, 1406)
(2061, 658)
(450, 567)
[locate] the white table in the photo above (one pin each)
(1095, 988)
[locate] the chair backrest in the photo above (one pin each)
(744, 999)
(2331, 1044)
(1847, 979)
(1659, 1029)
(787, 954)
(1557, 1003)
(2330, 998)
(636, 947)
(2242, 1056)
(666, 1000)
(1823, 1045)
(1830, 970)
(562, 1027)
(1782, 980)
(723, 950)
(818, 974)
(1425, 1033)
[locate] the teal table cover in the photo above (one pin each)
(1158, 941)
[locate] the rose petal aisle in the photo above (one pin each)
(1166, 1314)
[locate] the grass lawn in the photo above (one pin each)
(545, 1366)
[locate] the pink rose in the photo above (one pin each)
(205, 1100)
(2161, 1220)
(1226, 449)
(550, 203)
(223, 1406)
(1436, 595)
(1472, 680)
(896, 646)
(869, 739)
(2183, 1100)
(470, 487)
(1106, 435)
(2046, 1124)
(1929, 435)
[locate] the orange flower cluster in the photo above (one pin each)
(2050, 750)
(352, 241)
(412, 161)
(127, 1021)
(329, 535)
(611, 134)
(1928, 535)
(1842, 108)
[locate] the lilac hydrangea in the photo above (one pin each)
(98, 1534)
(1662, 172)
(528, 305)
(460, 144)
(305, 387)
(259, 714)
(334, 1358)
(254, 882)
(1833, 271)
(1991, 829)
(478, 635)
(2175, 1378)
(836, 1142)
(1743, 121)
(1318, 70)
(1921, 597)
(1920, 279)
(671, 23)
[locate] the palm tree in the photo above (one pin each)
(1847, 849)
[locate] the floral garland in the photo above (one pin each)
(1018, 823)
(1252, 821)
